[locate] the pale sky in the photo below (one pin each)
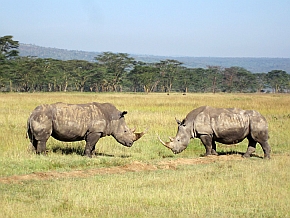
(195, 28)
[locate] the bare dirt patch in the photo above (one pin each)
(135, 166)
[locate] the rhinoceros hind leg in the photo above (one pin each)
(266, 148)
(213, 150)
(41, 147)
(251, 147)
(33, 145)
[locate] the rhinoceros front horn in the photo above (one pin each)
(138, 135)
(166, 144)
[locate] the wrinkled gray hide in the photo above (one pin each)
(227, 126)
(75, 122)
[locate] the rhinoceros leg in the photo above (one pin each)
(33, 145)
(38, 146)
(207, 142)
(91, 140)
(213, 150)
(266, 148)
(41, 147)
(251, 147)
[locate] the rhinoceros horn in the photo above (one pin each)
(138, 135)
(166, 144)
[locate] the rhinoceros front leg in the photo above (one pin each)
(207, 142)
(91, 140)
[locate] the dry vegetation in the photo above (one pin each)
(146, 180)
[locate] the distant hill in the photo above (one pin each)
(55, 53)
(255, 65)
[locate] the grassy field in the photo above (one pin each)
(146, 180)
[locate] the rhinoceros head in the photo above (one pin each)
(122, 133)
(182, 138)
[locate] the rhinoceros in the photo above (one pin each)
(76, 122)
(227, 126)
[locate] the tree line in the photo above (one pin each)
(118, 72)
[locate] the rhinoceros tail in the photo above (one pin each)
(29, 134)
(29, 131)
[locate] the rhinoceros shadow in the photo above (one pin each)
(98, 154)
(67, 150)
(236, 152)
(80, 151)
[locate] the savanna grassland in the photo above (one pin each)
(146, 180)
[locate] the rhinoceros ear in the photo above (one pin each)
(123, 113)
(178, 121)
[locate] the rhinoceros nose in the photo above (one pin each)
(129, 144)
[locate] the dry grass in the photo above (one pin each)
(247, 188)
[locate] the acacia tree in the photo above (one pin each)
(24, 75)
(214, 75)
(168, 71)
(245, 80)
(229, 77)
(81, 71)
(6, 72)
(260, 81)
(278, 80)
(96, 80)
(200, 80)
(116, 66)
(144, 77)
(8, 48)
(133, 77)
(184, 79)
(51, 77)
(8, 52)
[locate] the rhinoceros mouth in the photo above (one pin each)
(128, 144)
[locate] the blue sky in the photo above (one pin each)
(196, 28)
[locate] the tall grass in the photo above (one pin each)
(251, 187)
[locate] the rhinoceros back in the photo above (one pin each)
(71, 122)
(230, 123)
